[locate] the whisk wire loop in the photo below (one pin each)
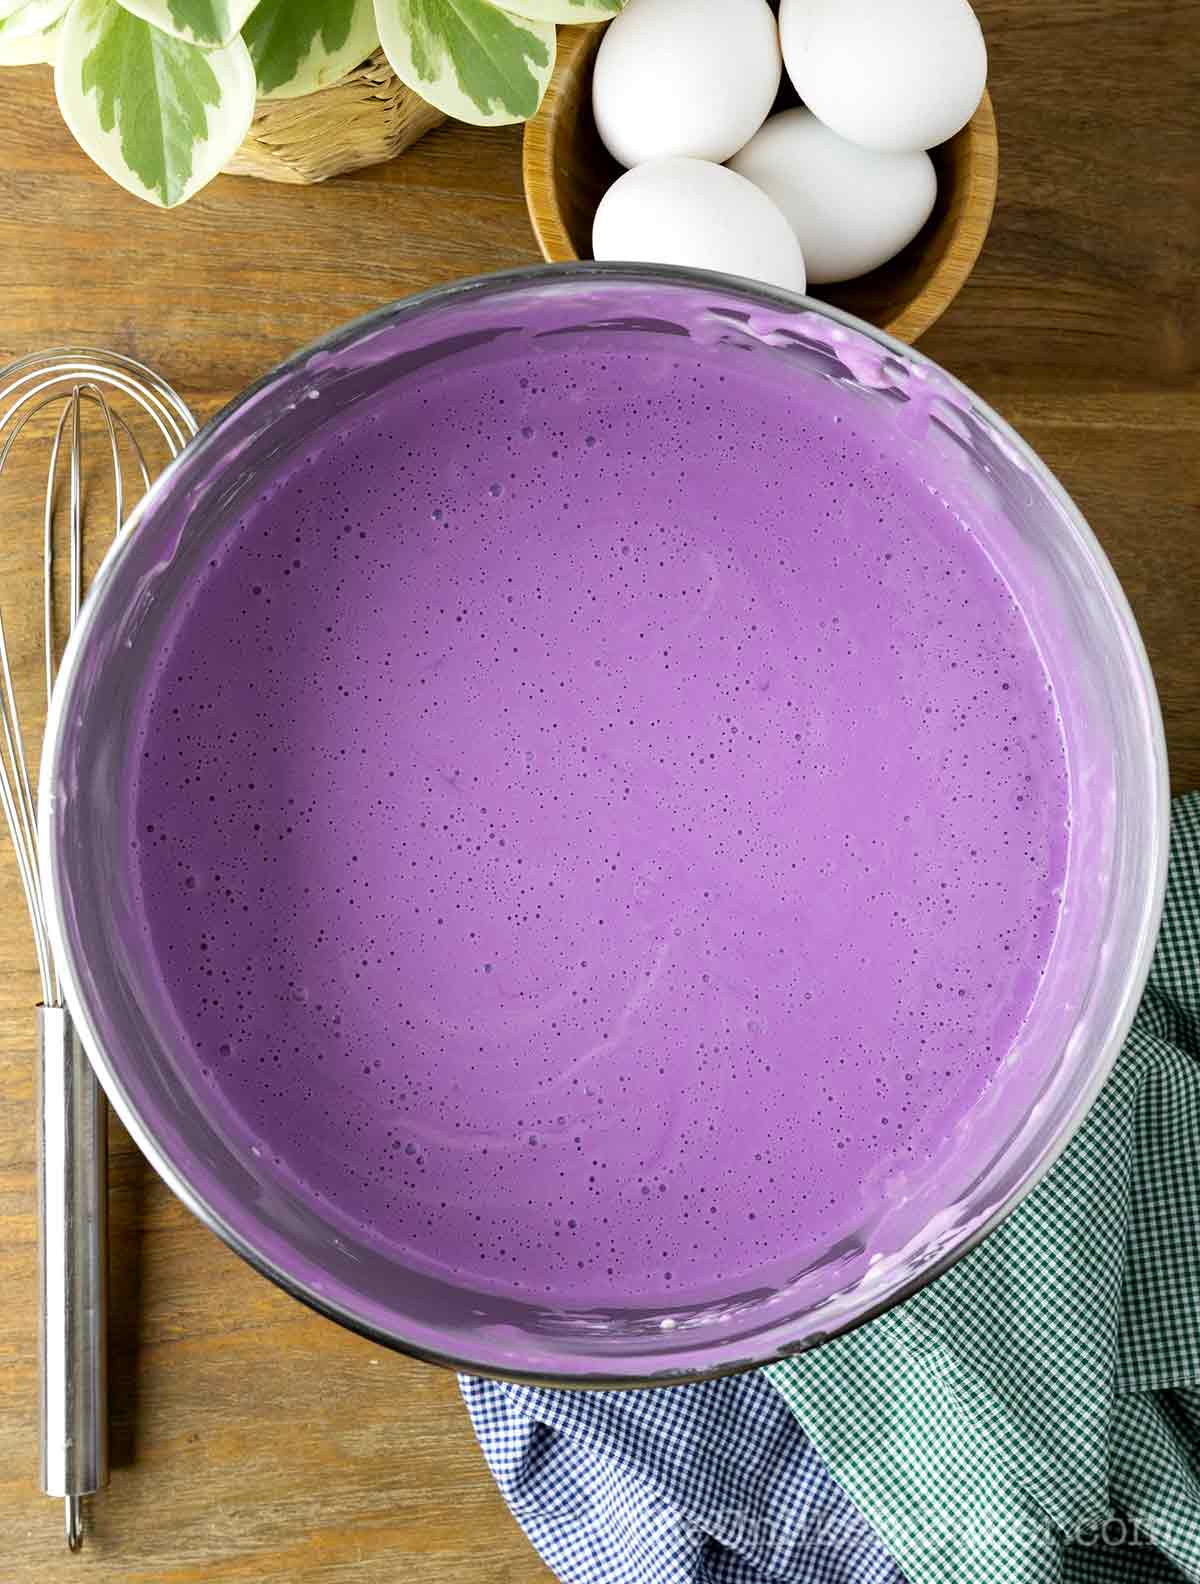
(69, 380)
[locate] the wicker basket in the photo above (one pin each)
(364, 117)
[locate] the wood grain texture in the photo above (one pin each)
(567, 171)
(254, 1443)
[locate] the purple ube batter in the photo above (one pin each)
(602, 819)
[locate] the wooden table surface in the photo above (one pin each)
(251, 1440)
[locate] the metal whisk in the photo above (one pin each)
(72, 1123)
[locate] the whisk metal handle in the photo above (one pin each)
(72, 1124)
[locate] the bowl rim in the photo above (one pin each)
(767, 1345)
(964, 242)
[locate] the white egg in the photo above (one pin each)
(894, 77)
(690, 77)
(850, 207)
(687, 211)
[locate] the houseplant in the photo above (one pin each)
(160, 93)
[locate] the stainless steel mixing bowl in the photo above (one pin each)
(1111, 727)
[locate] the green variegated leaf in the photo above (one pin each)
(160, 116)
(207, 22)
(468, 57)
(298, 46)
(566, 10)
(30, 49)
(29, 19)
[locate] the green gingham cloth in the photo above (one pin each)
(1034, 1415)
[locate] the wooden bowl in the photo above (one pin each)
(567, 170)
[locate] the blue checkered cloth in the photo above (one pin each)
(713, 1483)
